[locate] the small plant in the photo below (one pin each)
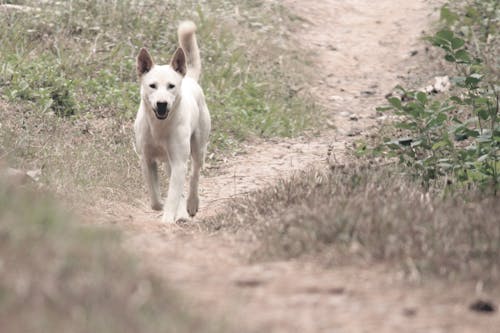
(458, 136)
(40, 82)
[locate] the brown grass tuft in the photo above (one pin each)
(371, 215)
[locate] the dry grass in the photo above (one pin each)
(82, 159)
(371, 215)
(57, 276)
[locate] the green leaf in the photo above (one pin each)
(483, 114)
(441, 117)
(450, 58)
(463, 56)
(395, 102)
(436, 121)
(481, 101)
(422, 97)
(462, 133)
(445, 165)
(408, 125)
(473, 80)
(447, 108)
(440, 144)
(384, 108)
(457, 43)
(445, 34)
(401, 89)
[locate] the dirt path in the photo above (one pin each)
(361, 48)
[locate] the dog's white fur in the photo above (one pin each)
(173, 122)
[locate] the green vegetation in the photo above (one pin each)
(70, 92)
(56, 276)
(78, 57)
(456, 137)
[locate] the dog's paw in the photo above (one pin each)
(157, 206)
(182, 219)
(168, 218)
(192, 205)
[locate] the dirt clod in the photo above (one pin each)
(483, 306)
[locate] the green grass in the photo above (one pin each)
(70, 92)
(78, 57)
(59, 276)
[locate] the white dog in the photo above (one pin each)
(172, 123)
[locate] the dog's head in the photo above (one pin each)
(160, 84)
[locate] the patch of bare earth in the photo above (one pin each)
(362, 49)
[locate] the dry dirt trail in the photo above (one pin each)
(361, 47)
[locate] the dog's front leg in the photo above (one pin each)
(150, 170)
(175, 188)
(178, 168)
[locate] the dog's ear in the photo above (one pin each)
(178, 62)
(144, 62)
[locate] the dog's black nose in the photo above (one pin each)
(162, 109)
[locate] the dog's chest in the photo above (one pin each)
(157, 151)
(155, 141)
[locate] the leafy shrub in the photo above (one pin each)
(40, 82)
(457, 136)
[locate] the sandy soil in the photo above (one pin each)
(363, 49)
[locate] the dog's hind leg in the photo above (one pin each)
(150, 170)
(193, 201)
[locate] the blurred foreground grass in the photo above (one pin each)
(59, 276)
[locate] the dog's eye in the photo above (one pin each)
(171, 86)
(152, 85)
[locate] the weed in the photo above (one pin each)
(459, 136)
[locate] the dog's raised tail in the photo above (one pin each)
(187, 40)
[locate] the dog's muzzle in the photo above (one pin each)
(161, 110)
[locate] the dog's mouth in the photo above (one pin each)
(161, 110)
